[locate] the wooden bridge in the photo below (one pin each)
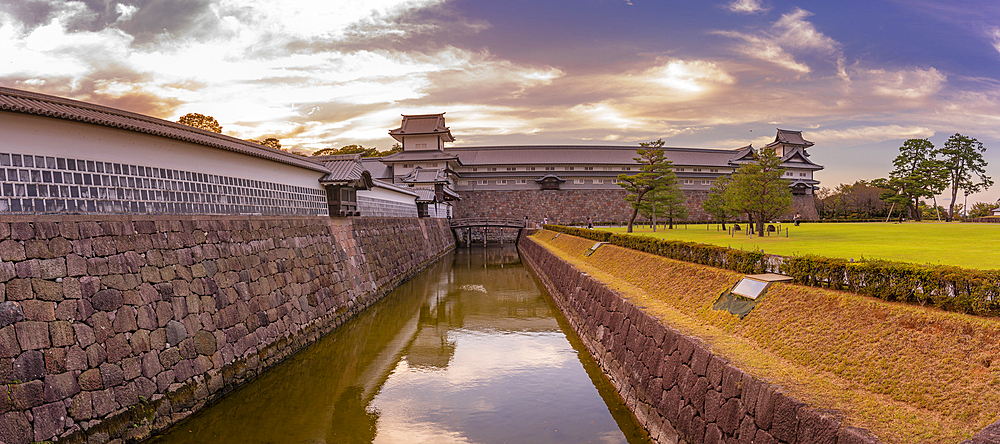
(486, 223)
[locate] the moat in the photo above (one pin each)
(471, 350)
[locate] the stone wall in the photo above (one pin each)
(575, 206)
(114, 327)
(677, 388)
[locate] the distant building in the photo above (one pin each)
(568, 183)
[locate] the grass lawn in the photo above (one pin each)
(910, 374)
(966, 245)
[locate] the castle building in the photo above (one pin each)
(568, 183)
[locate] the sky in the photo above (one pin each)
(857, 77)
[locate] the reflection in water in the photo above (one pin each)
(471, 350)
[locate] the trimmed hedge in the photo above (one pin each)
(947, 287)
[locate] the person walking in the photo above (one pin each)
(590, 224)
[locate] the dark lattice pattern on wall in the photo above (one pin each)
(45, 184)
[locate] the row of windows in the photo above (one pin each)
(35, 184)
(552, 168)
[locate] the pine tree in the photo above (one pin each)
(759, 190)
(655, 172)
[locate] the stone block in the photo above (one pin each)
(22, 231)
(15, 428)
(732, 378)
(170, 357)
(90, 380)
(55, 360)
(19, 290)
(176, 332)
(53, 268)
(10, 312)
(84, 334)
(29, 365)
(854, 435)
(151, 365)
(61, 386)
(125, 320)
(117, 348)
(730, 415)
(817, 427)
(47, 290)
(748, 430)
(36, 310)
(96, 355)
(89, 286)
(76, 359)
(27, 394)
(111, 375)
(785, 423)
(32, 335)
(764, 410)
(713, 402)
(12, 250)
(76, 265)
(104, 402)
(81, 408)
(28, 269)
(8, 343)
(60, 247)
(107, 300)
(126, 395)
(763, 437)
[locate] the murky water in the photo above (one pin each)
(470, 351)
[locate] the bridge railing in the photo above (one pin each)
(487, 222)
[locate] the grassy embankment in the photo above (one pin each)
(910, 374)
(967, 245)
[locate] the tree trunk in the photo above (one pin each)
(951, 207)
(635, 212)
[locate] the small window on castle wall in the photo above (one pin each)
(421, 146)
(483, 182)
(697, 170)
(714, 170)
(578, 181)
(511, 169)
(598, 181)
(569, 168)
(588, 168)
(550, 168)
(803, 175)
(491, 169)
(521, 181)
(627, 168)
(407, 165)
(531, 168)
(502, 182)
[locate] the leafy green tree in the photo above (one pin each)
(964, 167)
(666, 202)
(759, 190)
(655, 171)
(715, 205)
(916, 174)
(268, 142)
(202, 121)
(358, 149)
(981, 209)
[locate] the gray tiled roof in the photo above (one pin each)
(25, 102)
(409, 156)
(344, 168)
(375, 166)
(608, 155)
(422, 124)
(790, 137)
(391, 186)
(420, 175)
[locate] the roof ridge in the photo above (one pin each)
(92, 113)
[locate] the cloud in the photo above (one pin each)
(869, 134)
(690, 76)
(902, 84)
(791, 33)
(746, 7)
